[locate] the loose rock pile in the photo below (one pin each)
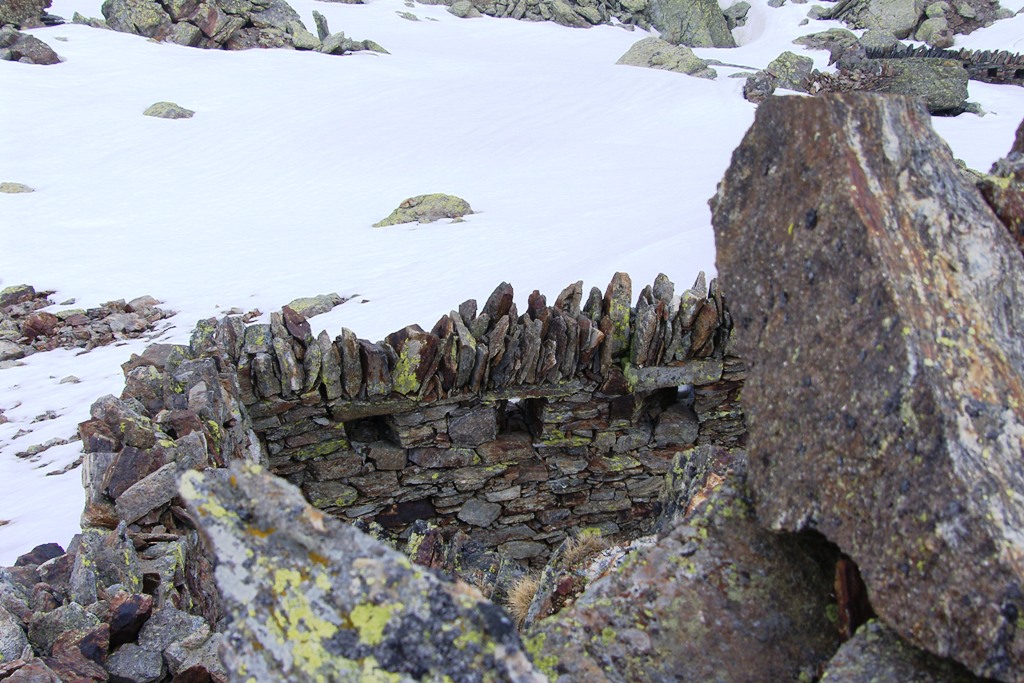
(25, 329)
(225, 24)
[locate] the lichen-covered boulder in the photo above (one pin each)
(15, 188)
(876, 653)
(694, 23)
(427, 208)
(313, 599)
(879, 305)
(309, 306)
(717, 598)
(941, 83)
(141, 17)
(656, 53)
(168, 110)
(791, 71)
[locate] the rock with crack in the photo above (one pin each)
(427, 208)
(872, 248)
(718, 597)
(313, 599)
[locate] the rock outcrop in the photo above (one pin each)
(880, 305)
(314, 599)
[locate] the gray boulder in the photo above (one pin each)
(876, 653)
(12, 636)
(427, 208)
(736, 15)
(21, 47)
(141, 17)
(338, 44)
(935, 31)
(464, 9)
(168, 110)
(898, 17)
(312, 599)
(911, 464)
(46, 627)
(694, 23)
(792, 71)
(877, 39)
(656, 53)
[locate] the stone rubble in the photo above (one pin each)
(26, 329)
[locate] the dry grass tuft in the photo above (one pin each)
(579, 549)
(520, 595)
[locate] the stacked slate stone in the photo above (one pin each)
(25, 329)
(518, 426)
(988, 66)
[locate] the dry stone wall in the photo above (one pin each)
(518, 427)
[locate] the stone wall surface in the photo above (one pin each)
(517, 426)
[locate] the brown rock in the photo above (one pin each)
(128, 613)
(879, 304)
(39, 324)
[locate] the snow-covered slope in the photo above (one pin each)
(577, 168)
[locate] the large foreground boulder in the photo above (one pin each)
(718, 598)
(313, 599)
(880, 305)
